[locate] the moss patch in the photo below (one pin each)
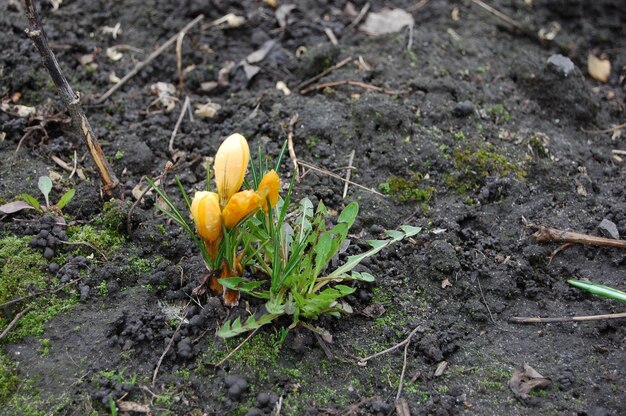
(406, 190)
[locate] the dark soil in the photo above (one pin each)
(489, 137)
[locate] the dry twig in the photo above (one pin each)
(358, 18)
(41, 292)
(348, 174)
(531, 320)
(334, 175)
(148, 60)
(323, 73)
(230, 354)
(71, 100)
(552, 234)
(177, 126)
(363, 361)
(169, 344)
(14, 321)
(609, 130)
(358, 84)
(292, 152)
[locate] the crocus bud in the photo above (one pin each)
(268, 189)
(205, 212)
(231, 161)
(240, 205)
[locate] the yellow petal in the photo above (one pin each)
(269, 188)
(231, 162)
(205, 212)
(240, 205)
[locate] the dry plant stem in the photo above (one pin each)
(168, 167)
(417, 6)
(323, 73)
(179, 60)
(552, 234)
(404, 361)
(177, 126)
(531, 320)
(353, 84)
(14, 321)
(71, 100)
(609, 130)
(84, 243)
(169, 344)
(348, 174)
(230, 354)
(42, 292)
(358, 18)
(334, 175)
(485, 300)
(292, 152)
(149, 59)
(388, 350)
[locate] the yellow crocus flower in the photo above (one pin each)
(205, 212)
(269, 188)
(231, 162)
(239, 206)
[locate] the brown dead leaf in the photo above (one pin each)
(598, 68)
(374, 310)
(208, 110)
(387, 21)
(441, 368)
(125, 406)
(446, 283)
(13, 207)
(525, 379)
(261, 53)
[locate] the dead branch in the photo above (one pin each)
(148, 60)
(358, 84)
(71, 100)
(531, 320)
(363, 361)
(552, 234)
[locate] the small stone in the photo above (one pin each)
(254, 412)
(234, 392)
(376, 229)
(84, 293)
(263, 399)
(43, 234)
(48, 253)
(608, 229)
(560, 64)
(463, 109)
(231, 380)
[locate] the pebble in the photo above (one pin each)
(53, 268)
(48, 253)
(254, 412)
(608, 229)
(463, 109)
(84, 293)
(263, 399)
(560, 64)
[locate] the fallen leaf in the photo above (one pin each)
(524, 379)
(446, 283)
(374, 310)
(261, 53)
(441, 368)
(402, 407)
(3, 136)
(85, 59)
(25, 111)
(282, 13)
(114, 79)
(387, 21)
(13, 207)
(125, 406)
(250, 70)
(599, 69)
(208, 110)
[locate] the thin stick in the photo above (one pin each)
(348, 174)
(404, 361)
(14, 321)
(169, 344)
(417, 6)
(552, 234)
(177, 126)
(168, 166)
(179, 60)
(507, 19)
(334, 175)
(71, 100)
(230, 354)
(41, 292)
(484, 300)
(331, 36)
(358, 84)
(323, 73)
(531, 320)
(84, 243)
(362, 361)
(148, 60)
(358, 18)
(609, 130)
(292, 152)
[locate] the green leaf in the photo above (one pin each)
(598, 289)
(409, 230)
(66, 198)
(242, 285)
(349, 213)
(30, 200)
(45, 186)
(235, 328)
(395, 234)
(322, 252)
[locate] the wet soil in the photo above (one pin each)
(485, 134)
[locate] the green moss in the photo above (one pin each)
(139, 265)
(9, 379)
(102, 289)
(44, 347)
(499, 113)
(311, 141)
(106, 240)
(407, 190)
(21, 268)
(113, 215)
(471, 168)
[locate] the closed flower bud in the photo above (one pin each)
(205, 212)
(268, 189)
(231, 162)
(240, 205)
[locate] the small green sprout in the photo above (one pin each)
(45, 186)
